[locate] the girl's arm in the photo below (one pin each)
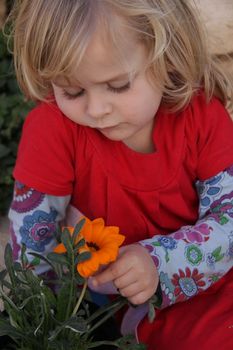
(34, 219)
(184, 263)
(193, 258)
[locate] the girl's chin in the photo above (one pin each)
(113, 133)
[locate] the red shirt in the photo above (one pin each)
(143, 194)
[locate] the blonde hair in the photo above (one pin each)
(50, 39)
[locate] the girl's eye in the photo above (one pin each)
(72, 96)
(120, 88)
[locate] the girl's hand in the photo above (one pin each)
(133, 273)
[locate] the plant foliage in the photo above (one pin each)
(53, 314)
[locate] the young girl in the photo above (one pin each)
(130, 126)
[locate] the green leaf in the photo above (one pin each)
(63, 296)
(67, 241)
(82, 257)
(8, 258)
(3, 274)
(17, 267)
(34, 281)
(151, 313)
(7, 329)
(76, 324)
(50, 297)
(8, 300)
(77, 229)
(23, 256)
(80, 244)
(156, 300)
(7, 284)
(128, 342)
(35, 262)
(29, 299)
(58, 258)
(15, 317)
(40, 324)
(41, 257)
(79, 280)
(58, 234)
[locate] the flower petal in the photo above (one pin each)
(60, 248)
(88, 267)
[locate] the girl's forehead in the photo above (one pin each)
(104, 60)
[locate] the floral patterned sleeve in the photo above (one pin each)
(34, 219)
(193, 258)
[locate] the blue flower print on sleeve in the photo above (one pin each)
(209, 189)
(38, 229)
(167, 243)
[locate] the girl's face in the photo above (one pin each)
(113, 97)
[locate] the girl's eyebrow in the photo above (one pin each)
(118, 77)
(115, 78)
(66, 82)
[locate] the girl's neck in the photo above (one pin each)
(142, 141)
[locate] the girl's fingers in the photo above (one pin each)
(111, 273)
(131, 290)
(125, 280)
(139, 298)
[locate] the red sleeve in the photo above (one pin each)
(46, 151)
(214, 140)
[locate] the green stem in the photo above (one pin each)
(100, 343)
(80, 298)
(71, 288)
(109, 314)
(4, 296)
(120, 300)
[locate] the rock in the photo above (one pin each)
(218, 18)
(2, 11)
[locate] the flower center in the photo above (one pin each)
(93, 246)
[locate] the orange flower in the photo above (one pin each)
(102, 241)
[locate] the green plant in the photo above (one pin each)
(13, 108)
(54, 314)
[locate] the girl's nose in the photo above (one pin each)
(98, 106)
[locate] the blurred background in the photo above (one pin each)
(218, 18)
(13, 108)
